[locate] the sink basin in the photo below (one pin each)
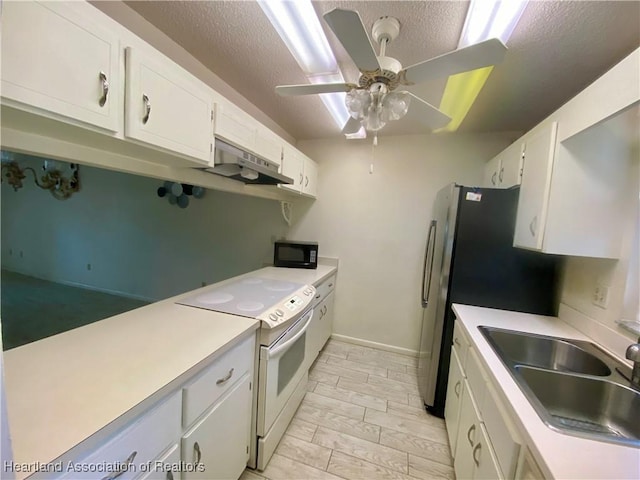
(574, 386)
(590, 407)
(545, 352)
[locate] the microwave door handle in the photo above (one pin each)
(428, 261)
(281, 349)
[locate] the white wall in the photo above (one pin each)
(376, 224)
(136, 242)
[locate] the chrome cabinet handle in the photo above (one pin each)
(197, 454)
(471, 430)
(147, 108)
(533, 225)
(306, 181)
(493, 178)
(300, 179)
(330, 285)
(169, 475)
(501, 174)
(476, 449)
(123, 468)
(456, 341)
(318, 295)
(221, 381)
(456, 388)
(105, 89)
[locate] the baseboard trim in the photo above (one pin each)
(369, 343)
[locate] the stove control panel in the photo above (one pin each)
(289, 308)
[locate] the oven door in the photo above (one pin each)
(282, 366)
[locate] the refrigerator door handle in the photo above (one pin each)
(428, 263)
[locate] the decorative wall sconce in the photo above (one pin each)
(53, 179)
(179, 193)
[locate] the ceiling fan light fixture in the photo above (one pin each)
(395, 105)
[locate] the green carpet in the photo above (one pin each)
(33, 309)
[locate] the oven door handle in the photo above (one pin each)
(280, 349)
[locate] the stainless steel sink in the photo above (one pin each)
(546, 352)
(574, 386)
(587, 406)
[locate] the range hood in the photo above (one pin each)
(232, 162)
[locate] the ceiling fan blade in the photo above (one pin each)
(348, 27)
(352, 126)
(427, 114)
(483, 54)
(313, 88)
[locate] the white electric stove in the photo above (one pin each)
(276, 303)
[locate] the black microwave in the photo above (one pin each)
(295, 254)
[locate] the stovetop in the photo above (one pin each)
(267, 299)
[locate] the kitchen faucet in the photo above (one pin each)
(633, 354)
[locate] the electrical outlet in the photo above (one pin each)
(600, 296)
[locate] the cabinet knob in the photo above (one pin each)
(470, 432)
(147, 108)
(105, 89)
(197, 454)
(533, 225)
(476, 450)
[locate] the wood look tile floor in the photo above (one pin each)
(362, 418)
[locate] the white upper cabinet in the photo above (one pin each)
(269, 145)
(166, 107)
(505, 169)
(302, 170)
(534, 190)
(293, 167)
(57, 61)
(234, 125)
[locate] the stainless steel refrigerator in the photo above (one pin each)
(469, 259)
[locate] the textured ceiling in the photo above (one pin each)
(557, 49)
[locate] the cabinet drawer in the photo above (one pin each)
(503, 437)
(202, 392)
(460, 343)
(165, 467)
(326, 287)
(143, 441)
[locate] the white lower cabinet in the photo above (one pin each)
(218, 445)
(201, 431)
(483, 441)
(321, 324)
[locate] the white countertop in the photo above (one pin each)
(65, 388)
(558, 455)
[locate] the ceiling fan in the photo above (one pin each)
(374, 100)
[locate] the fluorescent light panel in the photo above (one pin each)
(485, 19)
(299, 27)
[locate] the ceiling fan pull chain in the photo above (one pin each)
(374, 144)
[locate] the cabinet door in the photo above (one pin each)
(268, 145)
(57, 61)
(292, 166)
(166, 107)
(534, 190)
(510, 173)
(326, 321)
(166, 467)
(454, 396)
(484, 460)
(468, 435)
(219, 443)
(313, 335)
(235, 126)
(310, 185)
(491, 171)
